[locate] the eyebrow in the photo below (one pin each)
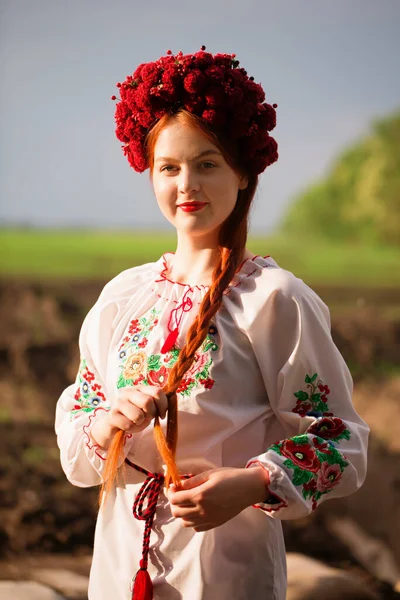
(201, 155)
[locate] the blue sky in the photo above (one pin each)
(331, 66)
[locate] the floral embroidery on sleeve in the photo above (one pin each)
(315, 404)
(137, 367)
(89, 394)
(317, 464)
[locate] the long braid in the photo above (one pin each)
(195, 337)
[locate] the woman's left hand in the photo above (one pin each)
(211, 498)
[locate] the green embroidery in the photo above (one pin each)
(136, 367)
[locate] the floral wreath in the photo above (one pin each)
(211, 87)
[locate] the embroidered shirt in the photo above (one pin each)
(268, 387)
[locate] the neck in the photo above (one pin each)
(195, 260)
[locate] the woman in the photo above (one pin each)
(234, 348)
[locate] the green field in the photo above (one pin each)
(75, 254)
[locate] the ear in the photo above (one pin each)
(243, 182)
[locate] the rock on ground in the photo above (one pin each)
(26, 590)
(309, 579)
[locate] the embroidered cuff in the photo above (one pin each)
(272, 501)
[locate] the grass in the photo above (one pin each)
(86, 255)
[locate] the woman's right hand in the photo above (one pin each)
(132, 411)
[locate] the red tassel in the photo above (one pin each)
(143, 586)
(170, 341)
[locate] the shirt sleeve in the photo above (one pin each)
(81, 404)
(309, 386)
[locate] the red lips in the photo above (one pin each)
(191, 206)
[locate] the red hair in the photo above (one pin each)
(231, 244)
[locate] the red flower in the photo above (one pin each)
(325, 389)
(185, 383)
(266, 116)
(203, 58)
(255, 91)
(321, 446)
(224, 60)
(143, 343)
(208, 383)
(214, 96)
(194, 82)
(133, 327)
(77, 394)
(173, 82)
(195, 104)
(310, 486)
(302, 407)
(215, 72)
(138, 380)
(88, 375)
(328, 477)
(214, 117)
(150, 73)
(159, 377)
(234, 96)
(327, 427)
(302, 455)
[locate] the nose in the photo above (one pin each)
(188, 181)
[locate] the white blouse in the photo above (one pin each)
(268, 387)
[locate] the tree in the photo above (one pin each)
(360, 198)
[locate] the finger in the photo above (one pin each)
(134, 413)
(180, 499)
(138, 428)
(195, 481)
(159, 398)
(187, 512)
(119, 420)
(198, 527)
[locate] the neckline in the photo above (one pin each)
(257, 261)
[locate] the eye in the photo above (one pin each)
(208, 165)
(168, 168)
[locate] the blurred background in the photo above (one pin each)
(73, 214)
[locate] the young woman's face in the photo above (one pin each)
(195, 187)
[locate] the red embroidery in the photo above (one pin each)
(175, 319)
(91, 444)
